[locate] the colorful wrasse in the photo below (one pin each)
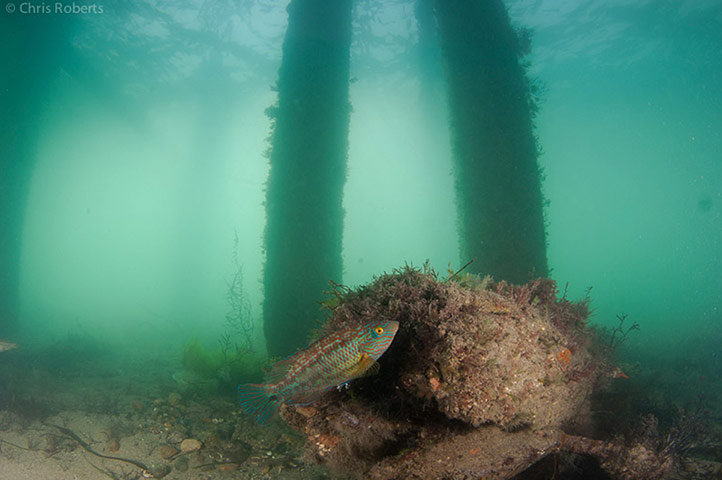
(331, 361)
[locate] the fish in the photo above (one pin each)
(5, 345)
(331, 361)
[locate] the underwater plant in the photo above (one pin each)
(619, 333)
(238, 337)
(221, 368)
(199, 361)
(235, 360)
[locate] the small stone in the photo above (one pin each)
(238, 452)
(225, 431)
(227, 467)
(167, 451)
(210, 441)
(113, 446)
(181, 464)
(174, 398)
(306, 411)
(190, 445)
(158, 470)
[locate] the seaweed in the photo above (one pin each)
(619, 333)
(225, 368)
(235, 360)
(238, 336)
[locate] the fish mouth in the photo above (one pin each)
(393, 326)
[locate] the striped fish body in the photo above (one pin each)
(331, 361)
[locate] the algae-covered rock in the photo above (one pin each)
(478, 381)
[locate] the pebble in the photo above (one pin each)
(306, 411)
(181, 464)
(167, 451)
(158, 470)
(190, 445)
(174, 398)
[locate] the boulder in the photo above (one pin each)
(479, 381)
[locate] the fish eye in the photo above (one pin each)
(379, 330)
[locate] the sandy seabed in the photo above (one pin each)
(130, 406)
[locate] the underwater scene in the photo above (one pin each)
(368, 239)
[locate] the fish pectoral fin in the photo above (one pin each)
(366, 367)
(373, 369)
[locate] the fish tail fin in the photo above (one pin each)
(258, 400)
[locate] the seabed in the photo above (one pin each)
(483, 380)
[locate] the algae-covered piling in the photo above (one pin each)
(498, 186)
(308, 170)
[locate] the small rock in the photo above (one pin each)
(210, 441)
(181, 464)
(167, 452)
(238, 452)
(174, 398)
(225, 431)
(306, 411)
(113, 446)
(190, 445)
(227, 467)
(158, 470)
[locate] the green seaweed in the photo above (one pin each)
(235, 360)
(224, 367)
(199, 361)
